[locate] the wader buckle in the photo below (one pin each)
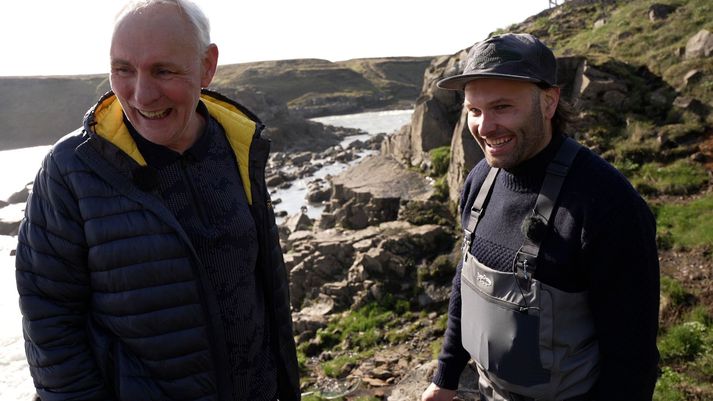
(525, 265)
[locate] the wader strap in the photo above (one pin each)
(525, 261)
(477, 210)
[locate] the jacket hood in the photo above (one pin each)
(106, 119)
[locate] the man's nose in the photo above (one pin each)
(146, 89)
(486, 124)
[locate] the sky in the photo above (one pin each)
(72, 37)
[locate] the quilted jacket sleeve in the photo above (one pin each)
(54, 288)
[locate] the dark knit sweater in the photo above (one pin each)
(601, 240)
(203, 189)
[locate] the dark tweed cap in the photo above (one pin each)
(514, 56)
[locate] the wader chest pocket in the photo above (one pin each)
(500, 325)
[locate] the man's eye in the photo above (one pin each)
(502, 106)
(474, 112)
(121, 71)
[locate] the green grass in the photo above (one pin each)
(668, 386)
(674, 291)
(686, 225)
(683, 342)
(629, 35)
(341, 365)
(628, 32)
(362, 331)
(440, 159)
(686, 347)
(681, 177)
(441, 189)
(364, 328)
(701, 315)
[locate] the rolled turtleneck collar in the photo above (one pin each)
(158, 156)
(528, 175)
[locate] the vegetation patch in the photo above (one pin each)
(682, 177)
(668, 386)
(426, 212)
(685, 225)
(355, 335)
(683, 342)
(686, 348)
(440, 159)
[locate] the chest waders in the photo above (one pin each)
(530, 341)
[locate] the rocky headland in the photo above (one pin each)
(39, 110)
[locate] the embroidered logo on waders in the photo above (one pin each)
(483, 279)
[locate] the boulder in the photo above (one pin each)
(398, 145)
(318, 191)
(298, 222)
(700, 45)
(692, 77)
(300, 158)
(659, 12)
(313, 317)
(21, 195)
(594, 84)
(687, 103)
(326, 221)
(433, 293)
(352, 215)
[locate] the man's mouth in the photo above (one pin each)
(154, 115)
(498, 142)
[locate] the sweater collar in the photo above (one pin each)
(158, 156)
(528, 175)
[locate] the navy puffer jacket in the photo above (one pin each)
(115, 305)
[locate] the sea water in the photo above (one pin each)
(292, 199)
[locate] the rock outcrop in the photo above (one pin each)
(12, 210)
(353, 267)
(700, 45)
(372, 192)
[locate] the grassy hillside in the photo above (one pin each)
(623, 31)
(39, 110)
(313, 87)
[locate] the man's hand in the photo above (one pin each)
(435, 393)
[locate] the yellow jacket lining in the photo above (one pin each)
(239, 130)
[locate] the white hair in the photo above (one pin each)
(190, 9)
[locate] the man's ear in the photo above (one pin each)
(549, 99)
(209, 65)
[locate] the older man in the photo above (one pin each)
(557, 294)
(148, 263)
